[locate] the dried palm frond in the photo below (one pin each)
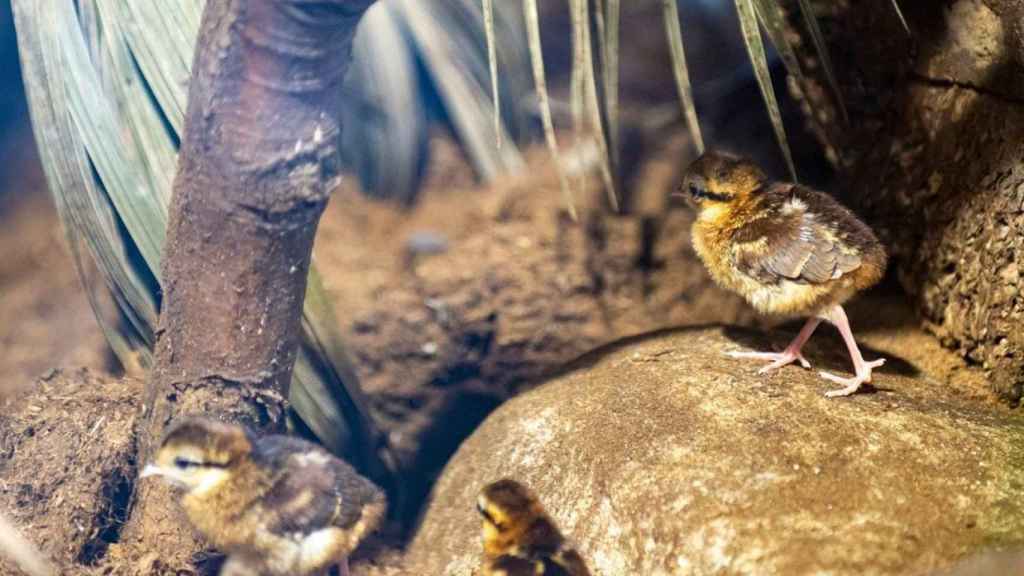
(769, 12)
(755, 48)
(682, 74)
(417, 61)
(539, 77)
(899, 14)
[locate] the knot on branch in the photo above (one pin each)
(291, 187)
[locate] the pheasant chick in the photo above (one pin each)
(519, 537)
(276, 505)
(787, 249)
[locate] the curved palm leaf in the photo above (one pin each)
(108, 132)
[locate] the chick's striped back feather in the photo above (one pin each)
(805, 236)
(312, 490)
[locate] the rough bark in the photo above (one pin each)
(258, 161)
(935, 164)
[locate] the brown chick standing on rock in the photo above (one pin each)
(786, 249)
(276, 505)
(519, 538)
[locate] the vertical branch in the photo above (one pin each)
(258, 160)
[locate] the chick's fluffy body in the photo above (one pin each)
(787, 249)
(279, 505)
(520, 538)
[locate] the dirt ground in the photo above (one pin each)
(47, 320)
(473, 296)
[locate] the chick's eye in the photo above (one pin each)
(185, 463)
(695, 190)
(487, 516)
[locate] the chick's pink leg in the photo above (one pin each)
(862, 369)
(788, 356)
(343, 568)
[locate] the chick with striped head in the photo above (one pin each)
(788, 250)
(276, 505)
(519, 537)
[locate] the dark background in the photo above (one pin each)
(20, 172)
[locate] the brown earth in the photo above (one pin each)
(67, 462)
(47, 320)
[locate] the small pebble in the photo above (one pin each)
(426, 242)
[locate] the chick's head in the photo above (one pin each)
(508, 508)
(718, 178)
(199, 453)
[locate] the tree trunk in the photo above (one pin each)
(936, 163)
(258, 161)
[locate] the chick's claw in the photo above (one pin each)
(852, 385)
(776, 359)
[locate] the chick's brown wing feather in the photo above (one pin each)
(801, 237)
(508, 565)
(572, 563)
(312, 489)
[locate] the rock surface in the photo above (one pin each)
(661, 456)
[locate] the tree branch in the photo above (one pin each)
(257, 164)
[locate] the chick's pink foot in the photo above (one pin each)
(776, 359)
(851, 385)
(788, 356)
(861, 368)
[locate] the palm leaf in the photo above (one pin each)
(593, 107)
(819, 47)
(492, 58)
(675, 41)
(755, 49)
(537, 59)
(899, 14)
(385, 141)
(611, 74)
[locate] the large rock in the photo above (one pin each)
(661, 456)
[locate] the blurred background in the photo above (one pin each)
(20, 167)
(391, 140)
(46, 318)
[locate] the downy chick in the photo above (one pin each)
(520, 538)
(787, 250)
(276, 505)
